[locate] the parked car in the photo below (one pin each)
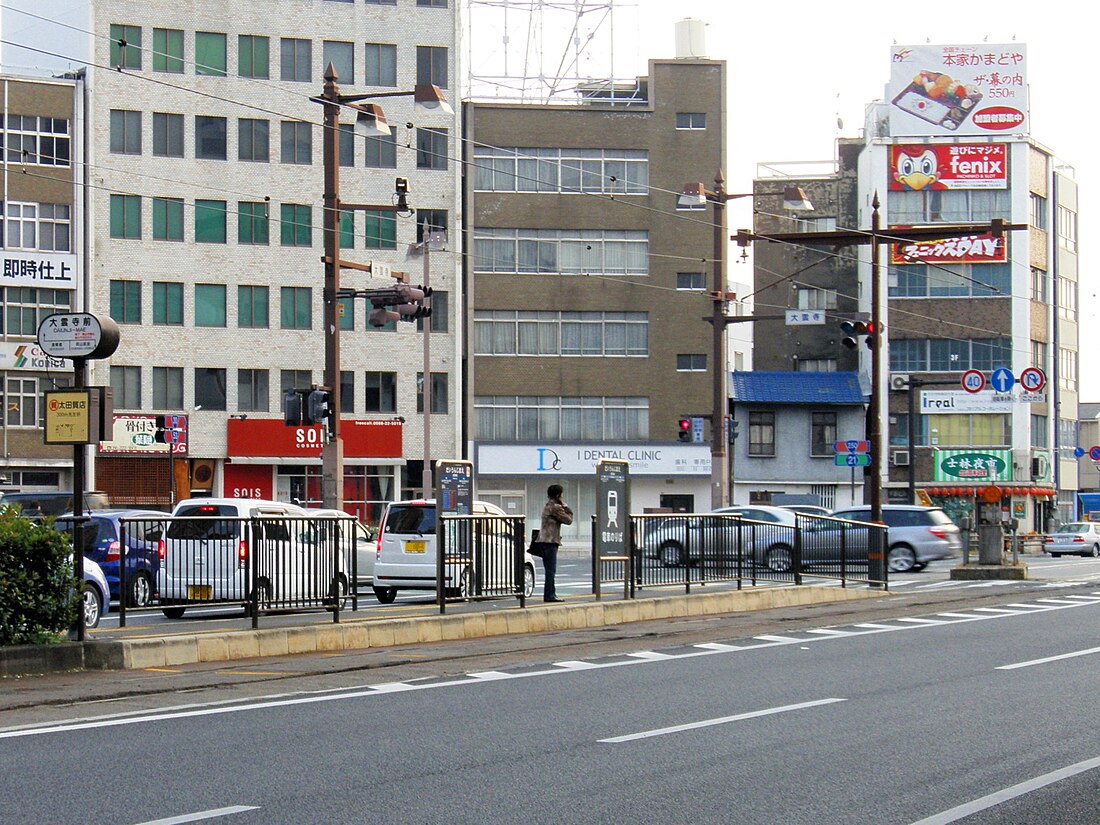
(406, 551)
(102, 543)
(679, 540)
(1079, 538)
(355, 539)
(95, 600)
(916, 536)
(52, 502)
(807, 509)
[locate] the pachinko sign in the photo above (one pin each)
(958, 90)
(981, 248)
(918, 166)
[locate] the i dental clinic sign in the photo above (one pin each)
(582, 459)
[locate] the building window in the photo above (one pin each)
(21, 231)
(346, 229)
(297, 142)
(1039, 354)
(210, 53)
(822, 433)
(544, 418)
(951, 281)
(125, 46)
(381, 392)
(1067, 299)
(381, 229)
(295, 58)
(252, 307)
(252, 390)
(294, 380)
(210, 220)
(1039, 431)
(168, 50)
(125, 132)
(382, 152)
(762, 433)
(533, 332)
(1067, 229)
(210, 388)
(341, 55)
(252, 222)
(381, 65)
(815, 224)
(948, 206)
(691, 362)
(296, 307)
(381, 2)
(295, 225)
(1067, 369)
(126, 387)
(948, 354)
(428, 221)
(253, 140)
(691, 280)
(691, 120)
(125, 216)
(435, 4)
(1039, 290)
(210, 137)
(562, 251)
(347, 391)
(808, 297)
(345, 154)
(167, 303)
(21, 402)
(599, 171)
(431, 148)
(209, 305)
(24, 308)
(967, 431)
(253, 56)
(1037, 216)
(431, 66)
(167, 135)
(439, 400)
(167, 388)
(167, 219)
(439, 303)
(345, 311)
(816, 365)
(36, 141)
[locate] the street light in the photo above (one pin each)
(370, 120)
(696, 195)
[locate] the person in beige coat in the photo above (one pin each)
(555, 513)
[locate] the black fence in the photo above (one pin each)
(701, 548)
(264, 563)
(482, 557)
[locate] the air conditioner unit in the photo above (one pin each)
(900, 458)
(899, 381)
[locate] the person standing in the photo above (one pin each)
(555, 513)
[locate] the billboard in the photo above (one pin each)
(978, 89)
(918, 166)
(983, 248)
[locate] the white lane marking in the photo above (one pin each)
(993, 610)
(919, 621)
(1005, 794)
(489, 675)
(827, 632)
(651, 655)
(1047, 659)
(1056, 601)
(959, 615)
(879, 626)
(784, 639)
(200, 815)
(718, 647)
(576, 665)
(630, 737)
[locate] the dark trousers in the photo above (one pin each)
(549, 568)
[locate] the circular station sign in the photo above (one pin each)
(78, 335)
(973, 380)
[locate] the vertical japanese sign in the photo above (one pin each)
(612, 507)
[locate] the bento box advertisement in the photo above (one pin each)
(958, 90)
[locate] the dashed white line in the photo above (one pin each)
(200, 815)
(1048, 659)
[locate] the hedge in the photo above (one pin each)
(37, 595)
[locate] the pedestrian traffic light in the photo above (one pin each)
(292, 408)
(317, 407)
(685, 428)
(854, 330)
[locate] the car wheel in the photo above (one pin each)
(778, 559)
(91, 605)
(338, 594)
(920, 566)
(901, 558)
(528, 581)
(671, 554)
(141, 590)
(1092, 553)
(385, 595)
(173, 612)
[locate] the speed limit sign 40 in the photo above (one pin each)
(973, 380)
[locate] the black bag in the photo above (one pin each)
(536, 549)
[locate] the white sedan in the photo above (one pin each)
(1079, 538)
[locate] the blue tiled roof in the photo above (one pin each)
(789, 387)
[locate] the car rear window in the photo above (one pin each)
(208, 527)
(1074, 528)
(408, 519)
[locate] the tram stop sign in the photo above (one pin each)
(78, 335)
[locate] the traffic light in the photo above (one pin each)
(685, 428)
(734, 425)
(292, 408)
(854, 330)
(413, 306)
(380, 316)
(317, 407)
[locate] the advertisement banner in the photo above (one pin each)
(978, 89)
(582, 459)
(972, 465)
(917, 166)
(266, 437)
(147, 434)
(47, 270)
(30, 357)
(970, 249)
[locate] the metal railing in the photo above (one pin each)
(482, 557)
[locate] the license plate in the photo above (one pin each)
(415, 546)
(199, 593)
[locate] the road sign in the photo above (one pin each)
(1094, 453)
(697, 429)
(1002, 379)
(1033, 379)
(850, 446)
(973, 380)
(852, 460)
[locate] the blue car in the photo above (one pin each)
(93, 598)
(102, 544)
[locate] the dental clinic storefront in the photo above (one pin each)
(515, 477)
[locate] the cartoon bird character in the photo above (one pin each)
(915, 168)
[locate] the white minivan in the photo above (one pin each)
(206, 555)
(406, 554)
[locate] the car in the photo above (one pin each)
(94, 597)
(807, 509)
(102, 535)
(676, 540)
(916, 535)
(406, 550)
(52, 502)
(1078, 538)
(355, 538)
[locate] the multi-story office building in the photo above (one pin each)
(977, 303)
(204, 185)
(590, 291)
(41, 247)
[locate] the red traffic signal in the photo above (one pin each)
(685, 429)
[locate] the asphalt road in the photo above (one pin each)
(931, 715)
